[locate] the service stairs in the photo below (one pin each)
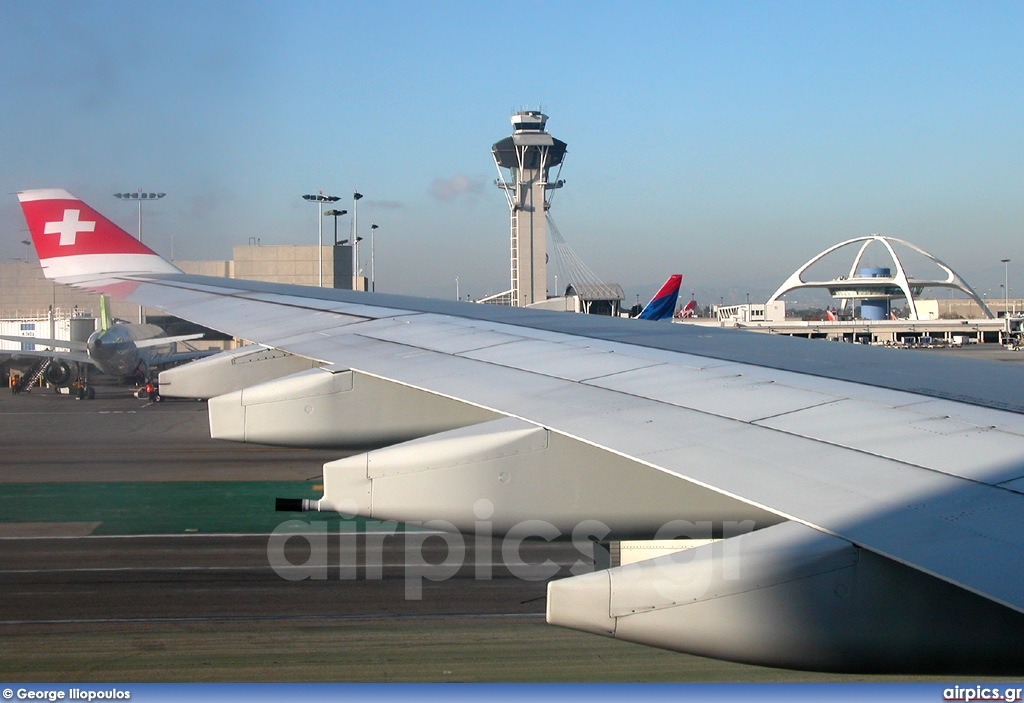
(25, 383)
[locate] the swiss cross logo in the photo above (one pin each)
(69, 227)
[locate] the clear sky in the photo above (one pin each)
(729, 141)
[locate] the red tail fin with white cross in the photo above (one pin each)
(76, 243)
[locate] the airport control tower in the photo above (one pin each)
(528, 156)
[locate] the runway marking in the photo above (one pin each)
(259, 618)
(120, 569)
(232, 535)
(120, 450)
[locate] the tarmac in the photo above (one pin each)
(135, 548)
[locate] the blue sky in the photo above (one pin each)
(729, 141)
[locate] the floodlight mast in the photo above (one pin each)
(320, 199)
(1006, 292)
(356, 197)
(140, 196)
(373, 270)
(335, 214)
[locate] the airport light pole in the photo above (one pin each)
(140, 198)
(28, 250)
(1006, 290)
(356, 197)
(320, 199)
(335, 214)
(373, 277)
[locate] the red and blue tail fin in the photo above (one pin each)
(75, 242)
(663, 304)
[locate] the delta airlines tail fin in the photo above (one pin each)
(76, 243)
(663, 304)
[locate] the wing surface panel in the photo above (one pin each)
(937, 442)
(720, 391)
(356, 310)
(442, 335)
(573, 362)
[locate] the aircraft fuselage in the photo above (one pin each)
(114, 352)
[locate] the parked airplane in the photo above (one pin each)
(895, 545)
(663, 304)
(120, 349)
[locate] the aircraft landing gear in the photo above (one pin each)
(84, 391)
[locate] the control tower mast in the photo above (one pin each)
(528, 155)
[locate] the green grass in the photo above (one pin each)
(170, 507)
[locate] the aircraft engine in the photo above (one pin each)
(324, 407)
(61, 373)
(790, 596)
(509, 473)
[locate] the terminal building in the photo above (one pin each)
(884, 304)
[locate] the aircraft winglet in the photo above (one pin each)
(75, 242)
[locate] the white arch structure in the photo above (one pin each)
(874, 287)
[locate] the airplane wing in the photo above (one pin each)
(166, 341)
(866, 505)
(79, 357)
(162, 359)
(44, 342)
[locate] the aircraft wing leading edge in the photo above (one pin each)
(746, 433)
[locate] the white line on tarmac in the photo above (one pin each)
(232, 534)
(392, 565)
(256, 618)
